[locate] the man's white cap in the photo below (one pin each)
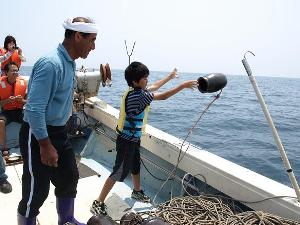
(83, 27)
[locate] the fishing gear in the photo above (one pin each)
(212, 82)
(182, 152)
(272, 126)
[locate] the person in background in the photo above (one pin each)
(10, 53)
(133, 116)
(46, 151)
(12, 99)
(5, 186)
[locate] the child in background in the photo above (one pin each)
(10, 53)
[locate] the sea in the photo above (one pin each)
(234, 127)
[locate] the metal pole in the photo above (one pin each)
(272, 126)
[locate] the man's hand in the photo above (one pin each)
(19, 98)
(11, 99)
(48, 153)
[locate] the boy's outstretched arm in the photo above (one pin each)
(158, 84)
(167, 94)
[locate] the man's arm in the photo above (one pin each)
(43, 83)
(8, 100)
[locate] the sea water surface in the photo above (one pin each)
(234, 126)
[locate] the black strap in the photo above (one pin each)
(133, 119)
(132, 128)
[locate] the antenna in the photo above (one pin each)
(129, 55)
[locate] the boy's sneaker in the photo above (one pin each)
(140, 196)
(98, 208)
(5, 186)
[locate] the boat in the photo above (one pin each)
(172, 168)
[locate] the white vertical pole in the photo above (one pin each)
(272, 126)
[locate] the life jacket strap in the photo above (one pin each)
(132, 128)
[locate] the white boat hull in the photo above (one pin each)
(252, 189)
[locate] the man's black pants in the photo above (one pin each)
(37, 176)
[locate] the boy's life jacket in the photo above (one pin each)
(131, 126)
(7, 90)
(13, 58)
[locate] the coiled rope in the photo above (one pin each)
(211, 210)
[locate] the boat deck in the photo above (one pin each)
(97, 158)
(89, 186)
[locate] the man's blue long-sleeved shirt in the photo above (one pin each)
(50, 92)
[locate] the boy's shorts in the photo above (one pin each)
(15, 115)
(127, 159)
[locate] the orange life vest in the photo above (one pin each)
(7, 90)
(14, 57)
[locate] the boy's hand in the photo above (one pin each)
(190, 84)
(173, 74)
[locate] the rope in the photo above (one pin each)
(210, 210)
(180, 157)
(155, 177)
(19, 178)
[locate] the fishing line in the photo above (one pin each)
(180, 157)
(157, 178)
(183, 181)
(188, 134)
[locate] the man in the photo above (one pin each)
(46, 152)
(12, 99)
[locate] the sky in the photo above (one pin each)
(196, 36)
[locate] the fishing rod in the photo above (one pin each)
(280, 147)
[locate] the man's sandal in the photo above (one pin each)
(13, 160)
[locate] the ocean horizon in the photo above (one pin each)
(234, 126)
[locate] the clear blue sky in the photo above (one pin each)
(193, 35)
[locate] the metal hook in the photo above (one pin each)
(248, 52)
(246, 65)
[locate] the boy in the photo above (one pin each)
(133, 116)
